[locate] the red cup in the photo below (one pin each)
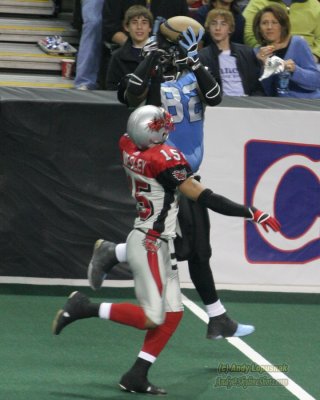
(67, 68)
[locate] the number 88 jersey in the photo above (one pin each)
(154, 175)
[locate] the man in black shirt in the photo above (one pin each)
(114, 11)
(138, 23)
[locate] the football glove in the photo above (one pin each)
(150, 46)
(152, 43)
(265, 220)
(189, 45)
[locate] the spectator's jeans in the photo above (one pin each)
(89, 53)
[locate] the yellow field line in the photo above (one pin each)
(37, 84)
(9, 53)
(32, 28)
(30, 1)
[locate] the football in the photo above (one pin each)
(171, 29)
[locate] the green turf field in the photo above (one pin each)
(88, 358)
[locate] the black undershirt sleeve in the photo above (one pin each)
(154, 92)
(138, 83)
(223, 205)
(208, 86)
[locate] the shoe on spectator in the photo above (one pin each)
(82, 87)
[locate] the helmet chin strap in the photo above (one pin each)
(174, 77)
(169, 78)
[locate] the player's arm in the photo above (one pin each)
(207, 85)
(148, 89)
(222, 205)
(138, 83)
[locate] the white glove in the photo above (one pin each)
(150, 46)
(273, 65)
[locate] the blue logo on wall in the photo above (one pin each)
(284, 179)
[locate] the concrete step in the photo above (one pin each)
(33, 7)
(35, 81)
(16, 56)
(31, 30)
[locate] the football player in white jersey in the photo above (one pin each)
(158, 174)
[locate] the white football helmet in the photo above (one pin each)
(149, 125)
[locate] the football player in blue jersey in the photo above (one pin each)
(173, 77)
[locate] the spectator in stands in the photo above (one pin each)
(230, 5)
(138, 23)
(304, 18)
(243, 4)
(271, 27)
(234, 65)
(56, 7)
(114, 10)
(89, 52)
(194, 5)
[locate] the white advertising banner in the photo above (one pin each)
(270, 159)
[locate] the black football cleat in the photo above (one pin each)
(223, 327)
(133, 384)
(102, 261)
(74, 309)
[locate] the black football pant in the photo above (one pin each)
(194, 246)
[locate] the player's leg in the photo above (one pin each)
(149, 262)
(171, 302)
(79, 306)
(163, 296)
(104, 257)
(220, 325)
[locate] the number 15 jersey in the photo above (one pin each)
(154, 175)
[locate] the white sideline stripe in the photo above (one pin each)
(62, 282)
(279, 376)
(129, 283)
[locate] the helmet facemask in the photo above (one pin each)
(172, 60)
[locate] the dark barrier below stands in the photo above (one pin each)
(61, 182)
